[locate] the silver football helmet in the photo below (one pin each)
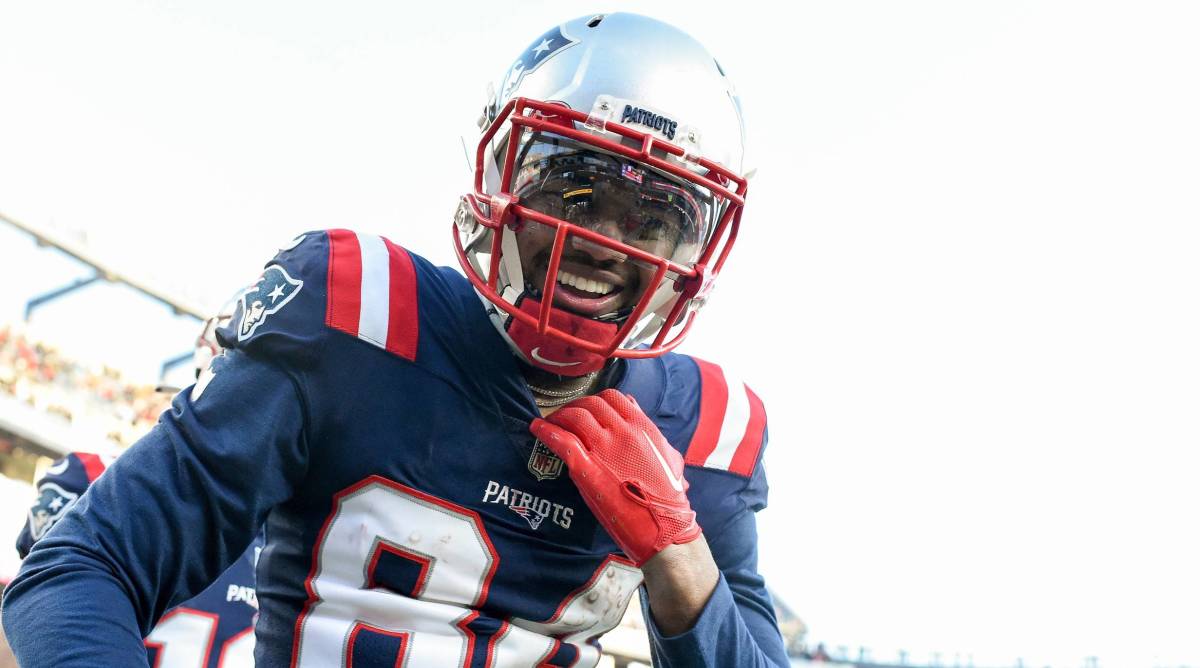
(608, 192)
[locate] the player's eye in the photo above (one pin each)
(656, 228)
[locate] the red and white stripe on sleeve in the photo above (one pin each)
(372, 292)
(729, 432)
(93, 464)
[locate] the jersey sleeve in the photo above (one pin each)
(737, 626)
(187, 499)
(57, 491)
(726, 434)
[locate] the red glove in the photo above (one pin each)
(628, 474)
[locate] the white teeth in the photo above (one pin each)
(585, 284)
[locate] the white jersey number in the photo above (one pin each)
(456, 562)
(184, 639)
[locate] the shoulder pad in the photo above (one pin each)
(57, 491)
(372, 292)
(731, 426)
(358, 284)
(76, 471)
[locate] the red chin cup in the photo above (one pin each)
(538, 328)
(556, 355)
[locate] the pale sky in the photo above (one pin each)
(964, 287)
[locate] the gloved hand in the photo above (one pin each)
(628, 474)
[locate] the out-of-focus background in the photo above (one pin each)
(965, 285)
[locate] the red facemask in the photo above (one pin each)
(553, 338)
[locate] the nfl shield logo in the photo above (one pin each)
(543, 463)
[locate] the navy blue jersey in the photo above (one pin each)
(370, 417)
(215, 629)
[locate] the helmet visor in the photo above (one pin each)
(620, 198)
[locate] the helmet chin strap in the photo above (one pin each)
(544, 352)
(535, 349)
(550, 354)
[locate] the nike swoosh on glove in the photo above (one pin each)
(628, 474)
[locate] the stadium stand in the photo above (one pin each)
(55, 403)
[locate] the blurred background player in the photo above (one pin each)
(7, 660)
(215, 629)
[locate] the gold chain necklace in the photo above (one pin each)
(551, 398)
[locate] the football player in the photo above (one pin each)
(478, 470)
(215, 629)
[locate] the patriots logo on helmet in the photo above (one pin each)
(53, 501)
(530, 59)
(272, 292)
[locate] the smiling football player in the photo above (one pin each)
(475, 468)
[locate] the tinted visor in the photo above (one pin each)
(615, 196)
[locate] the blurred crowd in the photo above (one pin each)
(817, 654)
(97, 399)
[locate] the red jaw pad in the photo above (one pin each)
(550, 354)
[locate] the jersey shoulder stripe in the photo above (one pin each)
(93, 465)
(731, 424)
(372, 292)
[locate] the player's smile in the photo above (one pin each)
(593, 280)
(588, 286)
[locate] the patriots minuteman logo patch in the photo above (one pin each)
(543, 463)
(272, 292)
(53, 501)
